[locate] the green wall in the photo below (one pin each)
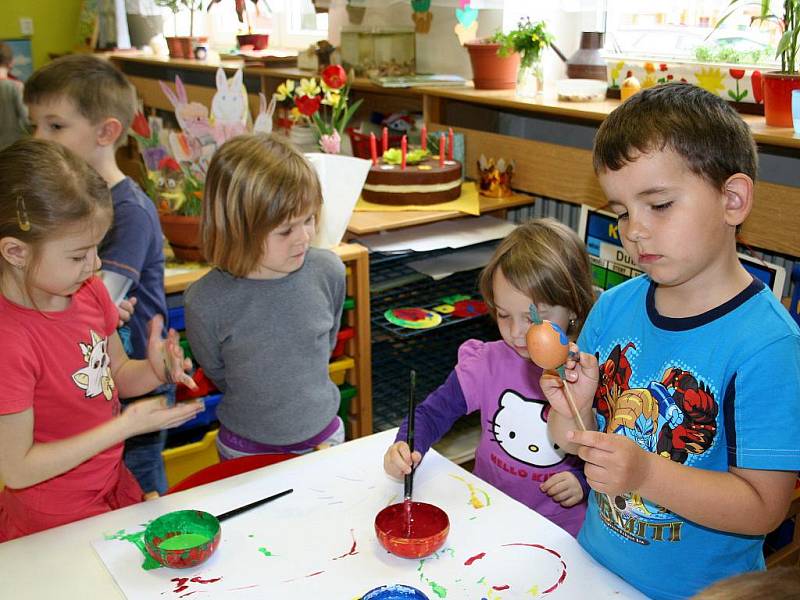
(55, 25)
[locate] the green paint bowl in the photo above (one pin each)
(183, 538)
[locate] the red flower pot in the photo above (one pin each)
(183, 234)
(253, 41)
(489, 70)
(778, 98)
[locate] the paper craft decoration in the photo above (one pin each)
(467, 27)
(413, 318)
(422, 16)
(495, 177)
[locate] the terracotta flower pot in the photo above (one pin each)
(489, 70)
(183, 234)
(254, 41)
(183, 46)
(778, 98)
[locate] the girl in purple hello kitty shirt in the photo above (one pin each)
(542, 262)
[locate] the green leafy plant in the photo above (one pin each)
(789, 23)
(529, 39)
(176, 6)
(728, 54)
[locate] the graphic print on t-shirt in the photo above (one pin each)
(675, 417)
(520, 428)
(95, 378)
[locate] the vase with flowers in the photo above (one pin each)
(319, 107)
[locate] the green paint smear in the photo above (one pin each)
(437, 589)
(183, 541)
(137, 539)
(265, 552)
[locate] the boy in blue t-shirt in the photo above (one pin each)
(84, 103)
(696, 398)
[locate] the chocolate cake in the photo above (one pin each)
(422, 183)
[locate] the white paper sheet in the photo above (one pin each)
(456, 261)
(319, 542)
(454, 233)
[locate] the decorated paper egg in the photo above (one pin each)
(548, 345)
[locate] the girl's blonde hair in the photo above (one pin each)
(45, 187)
(254, 183)
(546, 261)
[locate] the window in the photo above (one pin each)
(685, 29)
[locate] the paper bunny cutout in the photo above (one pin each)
(263, 122)
(191, 116)
(229, 110)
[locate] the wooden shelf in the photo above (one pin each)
(356, 259)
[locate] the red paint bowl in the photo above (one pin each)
(429, 529)
(183, 538)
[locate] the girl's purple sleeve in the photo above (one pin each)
(434, 417)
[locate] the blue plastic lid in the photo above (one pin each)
(395, 592)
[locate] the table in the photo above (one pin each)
(318, 542)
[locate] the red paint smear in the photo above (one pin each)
(198, 580)
(180, 583)
(554, 553)
(353, 551)
(472, 559)
(247, 587)
(317, 573)
(500, 588)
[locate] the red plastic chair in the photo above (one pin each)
(228, 468)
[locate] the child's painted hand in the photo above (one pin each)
(166, 356)
(126, 309)
(563, 488)
(153, 414)
(615, 464)
(397, 460)
(582, 372)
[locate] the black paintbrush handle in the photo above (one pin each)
(408, 480)
(246, 507)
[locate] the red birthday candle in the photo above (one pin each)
(373, 148)
(423, 136)
(403, 150)
(385, 139)
(441, 150)
(450, 144)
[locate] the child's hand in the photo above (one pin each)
(153, 414)
(564, 488)
(583, 375)
(166, 356)
(615, 464)
(397, 460)
(125, 310)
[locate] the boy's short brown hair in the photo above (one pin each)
(697, 125)
(254, 183)
(97, 88)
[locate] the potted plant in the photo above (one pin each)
(778, 85)
(181, 46)
(498, 62)
(250, 40)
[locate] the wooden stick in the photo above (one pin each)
(582, 427)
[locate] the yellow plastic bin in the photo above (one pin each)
(185, 460)
(338, 369)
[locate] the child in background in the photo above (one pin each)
(13, 116)
(698, 389)
(263, 323)
(542, 262)
(63, 367)
(777, 583)
(83, 102)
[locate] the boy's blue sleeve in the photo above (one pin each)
(762, 409)
(125, 248)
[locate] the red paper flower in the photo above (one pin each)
(169, 164)
(334, 76)
(308, 105)
(758, 90)
(736, 73)
(140, 125)
(663, 67)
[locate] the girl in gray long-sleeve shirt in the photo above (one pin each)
(263, 323)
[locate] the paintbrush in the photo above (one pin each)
(246, 507)
(408, 480)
